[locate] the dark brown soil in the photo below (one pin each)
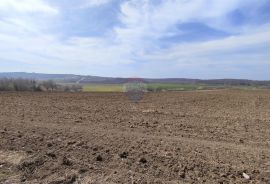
(103, 138)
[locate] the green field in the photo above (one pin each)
(149, 86)
(174, 87)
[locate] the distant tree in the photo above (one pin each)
(49, 85)
(18, 85)
(6, 85)
(24, 85)
(32, 85)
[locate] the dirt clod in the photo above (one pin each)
(51, 154)
(143, 160)
(66, 161)
(67, 180)
(123, 155)
(99, 158)
(31, 164)
(83, 170)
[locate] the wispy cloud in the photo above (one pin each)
(26, 6)
(93, 3)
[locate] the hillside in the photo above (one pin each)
(87, 79)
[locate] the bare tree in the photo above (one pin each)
(49, 85)
(17, 85)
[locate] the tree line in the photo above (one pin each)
(32, 85)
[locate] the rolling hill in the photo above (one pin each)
(87, 79)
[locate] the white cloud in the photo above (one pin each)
(23, 38)
(93, 3)
(25, 18)
(142, 19)
(25, 6)
(215, 47)
(49, 50)
(144, 23)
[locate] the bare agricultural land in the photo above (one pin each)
(218, 136)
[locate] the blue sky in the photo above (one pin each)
(144, 38)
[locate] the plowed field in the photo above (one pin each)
(167, 138)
